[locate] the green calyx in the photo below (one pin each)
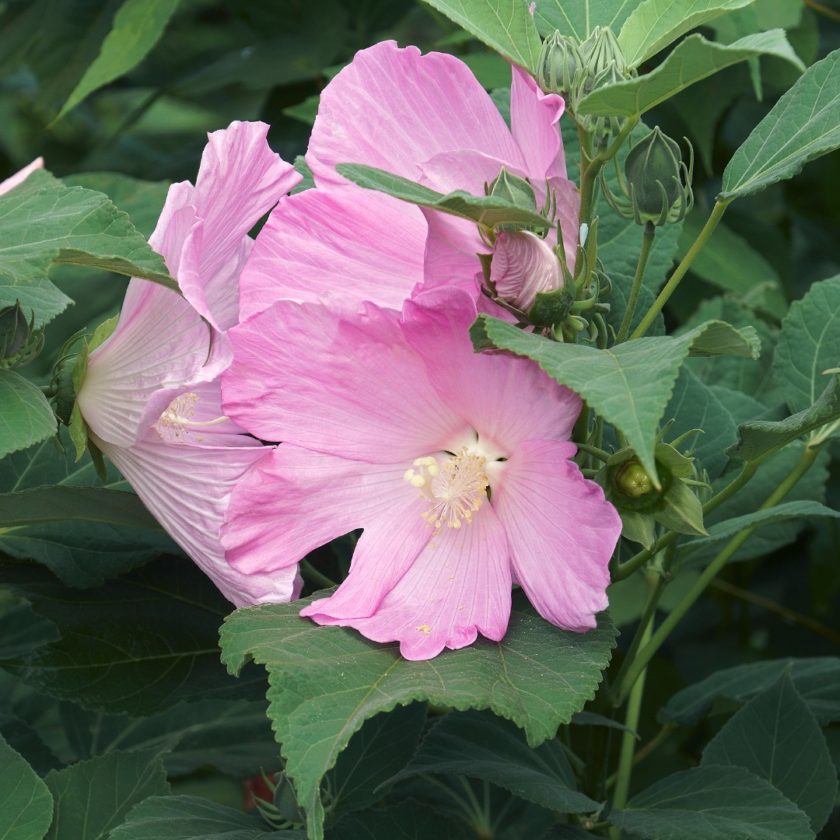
(20, 342)
(559, 64)
(551, 308)
(513, 189)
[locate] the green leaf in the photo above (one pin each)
(25, 415)
(801, 126)
(776, 737)
(43, 221)
(383, 746)
(234, 736)
(693, 59)
(26, 805)
(138, 645)
(630, 384)
(711, 803)
(192, 818)
(482, 746)
(485, 210)
(809, 343)
(816, 679)
(137, 27)
(729, 262)
(795, 511)
(93, 797)
(504, 25)
(579, 17)
(758, 437)
(326, 681)
(656, 23)
(406, 821)
(695, 406)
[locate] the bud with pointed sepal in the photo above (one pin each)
(20, 342)
(559, 65)
(518, 191)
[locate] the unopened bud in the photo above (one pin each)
(601, 51)
(633, 480)
(559, 63)
(513, 189)
(658, 180)
(14, 331)
(523, 265)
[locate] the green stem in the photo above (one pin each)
(313, 575)
(638, 560)
(633, 299)
(680, 271)
(628, 741)
(648, 748)
(708, 575)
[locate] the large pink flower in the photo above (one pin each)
(456, 465)
(151, 394)
(427, 118)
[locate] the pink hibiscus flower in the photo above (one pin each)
(427, 118)
(456, 465)
(151, 394)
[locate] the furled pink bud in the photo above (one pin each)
(523, 265)
(21, 176)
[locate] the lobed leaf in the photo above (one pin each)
(579, 17)
(26, 417)
(26, 805)
(326, 681)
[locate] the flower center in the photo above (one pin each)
(454, 489)
(176, 422)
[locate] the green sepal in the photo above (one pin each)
(682, 511)
(550, 308)
(638, 527)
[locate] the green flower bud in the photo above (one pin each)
(658, 181)
(559, 63)
(603, 59)
(633, 481)
(14, 331)
(551, 308)
(513, 189)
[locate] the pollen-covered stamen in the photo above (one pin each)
(455, 490)
(177, 422)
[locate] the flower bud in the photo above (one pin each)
(601, 52)
(559, 63)
(658, 180)
(513, 189)
(523, 265)
(14, 331)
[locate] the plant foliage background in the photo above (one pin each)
(121, 716)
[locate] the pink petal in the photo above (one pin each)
(187, 489)
(21, 175)
(240, 179)
(458, 587)
(328, 246)
(451, 251)
(533, 120)
(159, 346)
(395, 108)
(296, 500)
(504, 398)
(561, 532)
(523, 265)
(348, 384)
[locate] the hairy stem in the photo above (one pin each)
(668, 289)
(633, 299)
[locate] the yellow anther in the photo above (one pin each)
(454, 490)
(424, 628)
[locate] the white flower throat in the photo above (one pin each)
(454, 489)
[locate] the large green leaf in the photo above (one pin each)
(801, 126)
(656, 23)
(816, 679)
(482, 746)
(712, 803)
(42, 221)
(809, 343)
(630, 384)
(485, 210)
(504, 25)
(796, 511)
(137, 27)
(693, 59)
(405, 821)
(25, 415)
(383, 746)
(326, 681)
(138, 644)
(192, 818)
(729, 262)
(757, 437)
(579, 17)
(93, 797)
(26, 805)
(776, 737)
